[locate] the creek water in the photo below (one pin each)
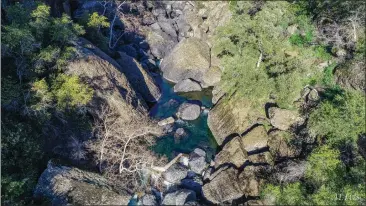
(197, 132)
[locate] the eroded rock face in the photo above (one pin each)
(280, 147)
(140, 79)
(283, 119)
(180, 197)
(64, 185)
(255, 139)
(223, 187)
(189, 111)
(187, 85)
(110, 85)
(232, 153)
(229, 117)
(190, 58)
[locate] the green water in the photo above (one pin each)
(197, 132)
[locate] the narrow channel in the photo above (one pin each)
(196, 132)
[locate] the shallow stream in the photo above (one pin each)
(197, 132)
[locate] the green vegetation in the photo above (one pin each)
(37, 98)
(97, 21)
(327, 182)
(340, 118)
(273, 63)
(271, 51)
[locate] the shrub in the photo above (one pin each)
(69, 92)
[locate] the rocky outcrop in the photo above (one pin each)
(180, 197)
(232, 153)
(140, 79)
(189, 111)
(229, 117)
(110, 85)
(283, 119)
(190, 58)
(223, 187)
(64, 185)
(187, 85)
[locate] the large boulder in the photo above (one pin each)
(63, 185)
(140, 79)
(231, 116)
(255, 139)
(175, 173)
(283, 119)
(212, 77)
(190, 58)
(223, 187)
(160, 43)
(110, 85)
(232, 153)
(261, 158)
(166, 121)
(249, 181)
(217, 93)
(189, 111)
(197, 161)
(194, 184)
(187, 85)
(280, 145)
(180, 197)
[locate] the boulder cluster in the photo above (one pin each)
(253, 144)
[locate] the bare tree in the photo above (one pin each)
(342, 28)
(114, 36)
(122, 148)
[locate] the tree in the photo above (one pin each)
(63, 30)
(70, 93)
(40, 19)
(19, 43)
(323, 165)
(97, 21)
(340, 118)
(265, 66)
